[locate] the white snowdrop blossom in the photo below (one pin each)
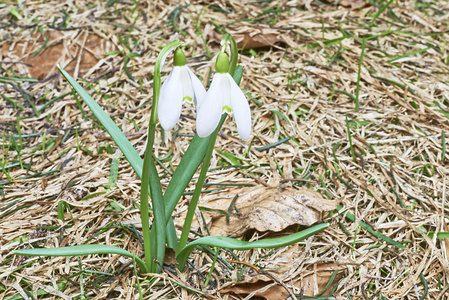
(224, 96)
(181, 86)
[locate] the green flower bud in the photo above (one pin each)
(222, 64)
(180, 58)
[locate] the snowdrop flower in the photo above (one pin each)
(180, 86)
(224, 96)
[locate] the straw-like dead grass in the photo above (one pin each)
(386, 164)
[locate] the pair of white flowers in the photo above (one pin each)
(223, 96)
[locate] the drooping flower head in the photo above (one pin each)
(180, 86)
(224, 96)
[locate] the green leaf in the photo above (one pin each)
(114, 131)
(230, 243)
(82, 250)
(190, 162)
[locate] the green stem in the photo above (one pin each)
(199, 186)
(150, 176)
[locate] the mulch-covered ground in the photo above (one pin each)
(348, 98)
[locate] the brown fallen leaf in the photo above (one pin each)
(269, 284)
(253, 36)
(268, 209)
(59, 48)
(170, 257)
(270, 290)
(258, 41)
(354, 4)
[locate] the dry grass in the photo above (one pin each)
(385, 163)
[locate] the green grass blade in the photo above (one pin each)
(230, 243)
(381, 10)
(351, 148)
(81, 250)
(275, 143)
(357, 89)
(411, 53)
(125, 64)
(370, 229)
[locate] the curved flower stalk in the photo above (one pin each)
(181, 86)
(224, 96)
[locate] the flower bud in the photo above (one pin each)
(179, 58)
(222, 64)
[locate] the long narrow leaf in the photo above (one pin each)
(116, 134)
(189, 165)
(159, 217)
(230, 243)
(114, 131)
(81, 250)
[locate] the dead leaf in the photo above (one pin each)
(258, 41)
(260, 288)
(58, 48)
(311, 281)
(253, 36)
(268, 209)
(170, 257)
(354, 4)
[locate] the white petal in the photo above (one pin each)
(226, 91)
(187, 90)
(198, 88)
(240, 107)
(210, 110)
(170, 100)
